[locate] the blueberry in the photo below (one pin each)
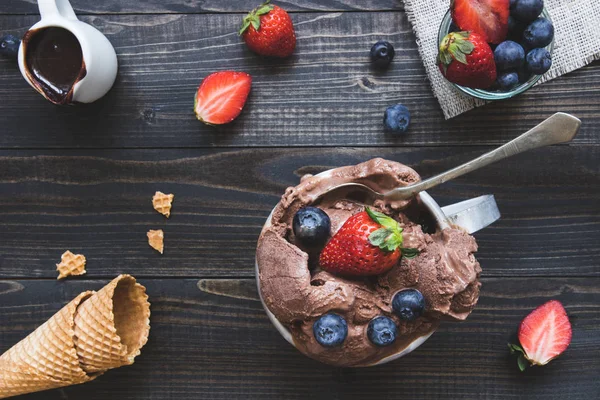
(330, 330)
(9, 45)
(408, 304)
(538, 34)
(453, 27)
(515, 28)
(526, 10)
(382, 53)
(311, 226)
(507, 80)
(523, 74)
(382, 331)
(396, 118)
(538, 61)
(509, 55)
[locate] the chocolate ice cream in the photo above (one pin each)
(297, 292)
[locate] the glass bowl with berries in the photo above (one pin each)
(495, 49)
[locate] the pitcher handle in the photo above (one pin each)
(62, 8)
(474, 214)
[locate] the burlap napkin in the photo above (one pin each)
(577, 43)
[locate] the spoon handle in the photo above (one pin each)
(559, 128)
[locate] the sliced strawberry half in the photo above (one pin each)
(544, 334)
(221, 97)
(489, 18)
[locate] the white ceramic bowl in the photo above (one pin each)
(482, 211)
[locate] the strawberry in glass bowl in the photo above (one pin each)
(495, 49)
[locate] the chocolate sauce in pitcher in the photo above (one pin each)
(54, 62)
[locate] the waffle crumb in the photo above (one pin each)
(70, 265)
(156, 239)
(162, 203)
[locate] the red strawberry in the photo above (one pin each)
(367, 244)
(466, 59)
(544, 335)
(221, 97)
(268, 30)
(489, 18)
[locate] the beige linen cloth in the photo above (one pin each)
(577, 43)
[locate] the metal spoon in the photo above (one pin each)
(559, 128)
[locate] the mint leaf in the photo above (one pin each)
(409, 252)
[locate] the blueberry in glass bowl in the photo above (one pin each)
(522, 34)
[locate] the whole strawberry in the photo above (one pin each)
(466, 59)
(369, 243)
(268, 30)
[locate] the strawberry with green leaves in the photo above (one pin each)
(543, 335)
(268, 30)
(466, 59)
(369, 243)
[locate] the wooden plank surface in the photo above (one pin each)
(325, 95)
(98, 203)
(197, 6)
(81, 178)
(217, 343)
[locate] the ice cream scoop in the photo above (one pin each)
(295, 293)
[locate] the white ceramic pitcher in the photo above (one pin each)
(99, 57)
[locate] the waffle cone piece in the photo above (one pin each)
(162, 203)
(70, 264)
(95, 332)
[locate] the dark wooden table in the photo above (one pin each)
(81, 178)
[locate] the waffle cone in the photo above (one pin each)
(93, 333)
(46, 359)
(112, 326)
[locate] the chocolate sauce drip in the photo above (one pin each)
(54, 62)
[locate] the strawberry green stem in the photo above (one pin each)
(455, 46)
(389, 237)
(253, 17)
